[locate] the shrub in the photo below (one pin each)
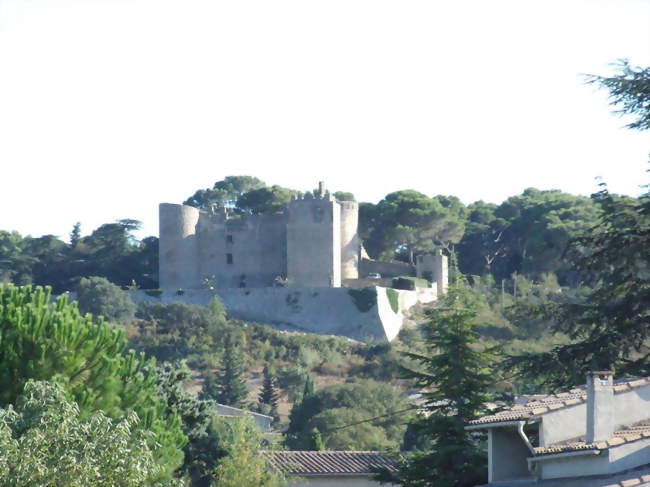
(364, 298)
(409, 283)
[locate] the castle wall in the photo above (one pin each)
(386, 269)
(331, 311)
(179, 249)
(314, 242)
(434, 267)
(349, 240)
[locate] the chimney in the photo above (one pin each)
(321, 188)
(600, 406)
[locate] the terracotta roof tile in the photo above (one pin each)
(327, 462)
(540, 404)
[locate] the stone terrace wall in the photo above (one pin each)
(330, 311)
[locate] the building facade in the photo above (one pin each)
(314, 242)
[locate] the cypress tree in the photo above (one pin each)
(232, 384)
(454, 376)
(269, 394)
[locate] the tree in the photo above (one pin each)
(357, 415)
(269, 396)
(629, 89)
(266, 200)
(454, 376)
(75, 234)
(203, 449)
(244, 465)
(46, 441)
(45, 340)
(407, 222)
(100, 297)
(228, 386)
(224, 193)
(609, 326)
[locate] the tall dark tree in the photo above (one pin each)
(610, 327)
(269, 395)
(629, 90)
(228, 385)
(454, 376)
(203, 449)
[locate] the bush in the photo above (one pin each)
(100, 297)
(409, 283)
(46, 441)
(364, 298)
(348, 403)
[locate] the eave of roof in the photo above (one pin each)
(550, 403)
(635, 432)
(328, 463)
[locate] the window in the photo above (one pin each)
(228, 258)
(229, 239)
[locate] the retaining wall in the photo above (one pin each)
(331, 311)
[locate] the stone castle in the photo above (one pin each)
(314, 242)
(295, 269)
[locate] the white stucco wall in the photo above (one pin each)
(631, 406)
(507, 454)
(563, 424)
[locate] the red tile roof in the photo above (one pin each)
(542, 404)
(328, 462)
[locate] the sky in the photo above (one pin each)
(110, 107)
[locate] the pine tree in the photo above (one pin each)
(230, 388)
(309, 387)
(75, 235)
(45, 340)
(269, 394)
(455, 377)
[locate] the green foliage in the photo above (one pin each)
(244, 464)
(340, 412)
(46, 441)
(343, 196)
(224, 193)
(100, 297)
(393, 299)
(454, 376)
(202, 451)
(45, 340)
(407, 222)
(409, 283)
(177, 331)
(630, 89)
(609, 325)
(364, 299)
(266, 200)
(228, 386)
(269, 394)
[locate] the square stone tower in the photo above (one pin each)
(314, 241)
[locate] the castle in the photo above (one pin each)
(314, 242)
(296, 269)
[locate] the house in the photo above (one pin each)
(329, 468)
(594, 436)
(263, 421)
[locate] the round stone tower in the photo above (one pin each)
(179, 247)
(349, 239)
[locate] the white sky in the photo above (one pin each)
(109, 107)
